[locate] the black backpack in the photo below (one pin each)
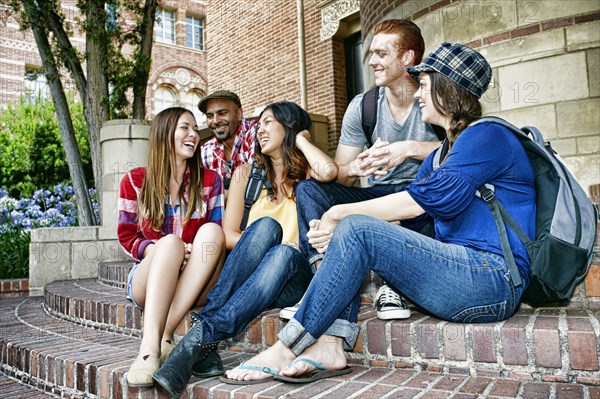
(256, 180)
(369, 105)
(566, 220)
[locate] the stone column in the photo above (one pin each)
(124, 145)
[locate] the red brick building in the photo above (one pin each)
(178, 74)
(263, 49)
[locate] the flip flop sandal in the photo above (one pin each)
(319, 373)
(251, 382)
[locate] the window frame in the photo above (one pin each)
(164, 105)
(195, 31)
(161, 33)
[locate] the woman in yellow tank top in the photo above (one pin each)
(265, 268)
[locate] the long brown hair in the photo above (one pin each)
(161, 164)
(455, 102)
(294, 119)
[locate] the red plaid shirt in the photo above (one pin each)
(213, 151)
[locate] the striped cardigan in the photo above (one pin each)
(134, 239)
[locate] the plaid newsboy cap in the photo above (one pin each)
(460, 63)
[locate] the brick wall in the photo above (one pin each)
(253, 50)
(14, 287)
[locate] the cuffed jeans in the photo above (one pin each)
(314, 198)
(452, 282)
(258, 273)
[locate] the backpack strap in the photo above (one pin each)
(501, 216)
(253, 188)
(439, 132)
(440, 154)
(369, 113)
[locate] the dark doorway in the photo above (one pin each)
(354, 69)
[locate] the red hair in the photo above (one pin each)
(409, 36)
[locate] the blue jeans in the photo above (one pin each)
(313, 199)
(260, 272)
(452, 282)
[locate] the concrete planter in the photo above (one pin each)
(66, 253)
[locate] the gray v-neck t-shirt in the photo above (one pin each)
(388, 130)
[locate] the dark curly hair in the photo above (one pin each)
(294, 119)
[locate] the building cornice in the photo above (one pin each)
(332, 12)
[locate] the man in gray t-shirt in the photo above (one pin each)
(389, 131)
(400, 143)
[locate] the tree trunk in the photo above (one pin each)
(144, 60)
(96, 102)
(67, 132)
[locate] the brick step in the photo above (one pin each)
(114, 274)
(550, 344)
(69, 360)
(12, 388)
(94, 304)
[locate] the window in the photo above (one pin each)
(190, 101)
(165, 27)
(35, 86)
(163, 98)
(194, 33)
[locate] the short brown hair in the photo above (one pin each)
(409, 36)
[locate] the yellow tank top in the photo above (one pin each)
(284, 213)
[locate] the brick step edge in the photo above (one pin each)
(14, 287)
(15, 388)
(114, 274)
(121, 317)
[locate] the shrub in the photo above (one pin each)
(46, 208)
(31, 151)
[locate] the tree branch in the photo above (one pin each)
(71, 59)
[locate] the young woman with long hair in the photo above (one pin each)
(265, 268)
(170, 216)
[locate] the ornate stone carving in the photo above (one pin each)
(333, 12)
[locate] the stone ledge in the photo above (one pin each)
(69, 253)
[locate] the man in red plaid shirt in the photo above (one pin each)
(233, 136)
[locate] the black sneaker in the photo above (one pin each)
(390, 305)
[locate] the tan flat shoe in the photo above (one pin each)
(166, 347)
(141, 371)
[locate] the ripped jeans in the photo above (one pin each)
(452, 282)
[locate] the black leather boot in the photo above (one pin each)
(209, 367)
(176, 371)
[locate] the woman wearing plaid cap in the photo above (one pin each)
(460, 275)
